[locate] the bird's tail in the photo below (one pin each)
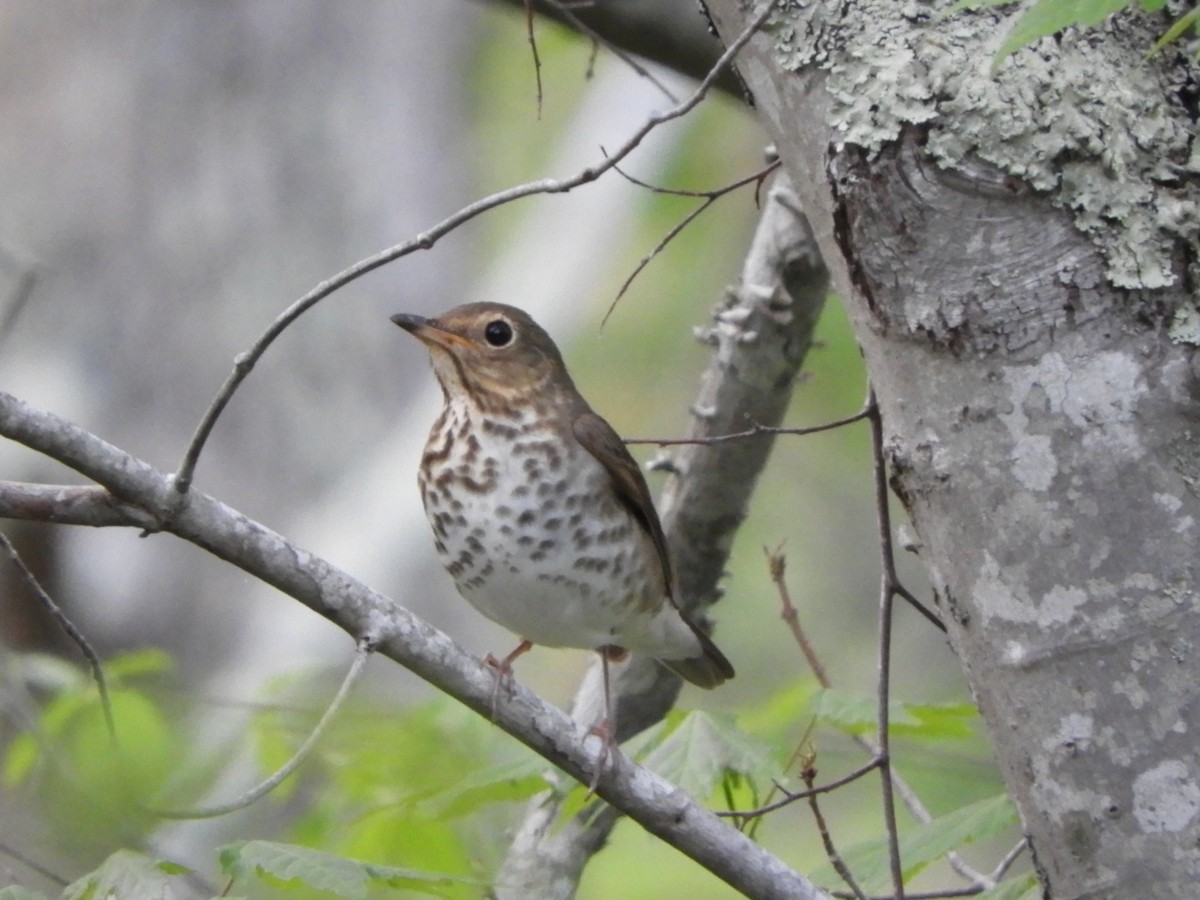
(709, 669)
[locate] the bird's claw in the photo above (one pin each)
(608, 747)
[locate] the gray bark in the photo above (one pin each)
(1040, 407)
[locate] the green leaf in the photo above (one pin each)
(148, 661)
(129, 874)
(148, 746)
(698, 753)
(1047, 17)
(975, 822)
(776, 718)
(1183, 23)
(856, 713)
(941, 721)
(967, 825)
(509, 782)
(20, 759)
(348, 878)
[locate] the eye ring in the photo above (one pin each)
(498, 333)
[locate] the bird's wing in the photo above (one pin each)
(598, 438)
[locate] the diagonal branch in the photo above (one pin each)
(656, 804)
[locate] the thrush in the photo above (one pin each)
(539, 513)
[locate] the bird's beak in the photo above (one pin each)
(427, 332)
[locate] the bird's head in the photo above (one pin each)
(489, 354)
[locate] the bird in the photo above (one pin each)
(539, 513)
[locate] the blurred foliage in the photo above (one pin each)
(415, 801)
(90, 787)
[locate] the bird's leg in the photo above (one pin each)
(606, 729)
(502, 670)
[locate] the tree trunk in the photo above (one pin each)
(1014, 254)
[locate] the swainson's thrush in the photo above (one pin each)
(539, 513)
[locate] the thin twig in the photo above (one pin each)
(68, 627)
(30, 864)
(907, 795)
(1009, 858)
(756, 178)
(245, 362)
(537, 62)
(590, 72)
(756, 431)
(361, 653)
(792, 796)
(835, 859)
(671, 234)
(887, 580)
(777, 563)
(711, 197)
(598, 40)
(906, 595)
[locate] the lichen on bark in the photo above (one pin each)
(1080, 116)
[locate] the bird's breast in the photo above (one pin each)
(527, 523)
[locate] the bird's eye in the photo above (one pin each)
(498, 333)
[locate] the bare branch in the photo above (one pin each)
(361, 654)
(68, 627)
(777, 563)
(671, 234)
(656, 804)
(537, 62)
(560, 10)
(887, 593)
(790, 615)
(63, 504)
(1006, 863)
(30, 864)
(835, 859)
(756, 179)
(675, 35)
(711, 197)
(792, 796)
(755, 431)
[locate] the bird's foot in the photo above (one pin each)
(502, 672)
(607, 732)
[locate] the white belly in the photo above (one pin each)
(536, 541)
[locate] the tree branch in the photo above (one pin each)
(657, 805)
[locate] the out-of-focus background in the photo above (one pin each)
(174, 174)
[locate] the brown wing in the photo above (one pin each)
(710, 668)
(598, 438)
